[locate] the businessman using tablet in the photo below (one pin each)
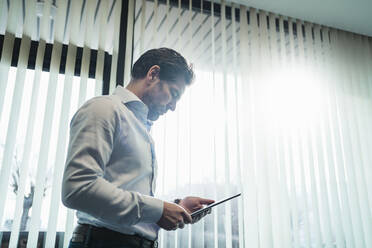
(110, 171)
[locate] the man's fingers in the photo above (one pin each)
(181, 225)
(197, 207)
(206, 201)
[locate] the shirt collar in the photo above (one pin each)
(134, 104)
(126, 95)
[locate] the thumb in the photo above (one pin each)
(186, 217)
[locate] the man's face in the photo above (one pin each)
(162, 96)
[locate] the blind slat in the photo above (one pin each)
(115, 45)
(358, 139)
(3, 16)
(284, 195)
(248, 138)
(237, 115)
(288, 144)
(273, 179)
(345, 207)
(143, 25)
(349, 145)
(5, 62)
(15, 18)
(130, 37)
(228, 165)
(84, 76)
(103, 12)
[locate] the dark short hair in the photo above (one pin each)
(172, 65)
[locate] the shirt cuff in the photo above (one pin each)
(152, 209)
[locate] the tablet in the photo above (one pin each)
(207, 208)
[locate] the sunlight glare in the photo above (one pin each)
(294, 99)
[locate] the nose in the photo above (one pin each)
(172, 105)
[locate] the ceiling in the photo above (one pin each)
(350, 15)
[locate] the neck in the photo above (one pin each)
(136, 87)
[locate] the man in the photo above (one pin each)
(111, 167)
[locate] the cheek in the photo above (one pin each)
(167, 98)
(163, 98)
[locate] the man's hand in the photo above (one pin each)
(192, 203)
(174, 216)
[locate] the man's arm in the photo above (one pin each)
(92, 137)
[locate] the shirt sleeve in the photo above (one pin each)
(92, 137)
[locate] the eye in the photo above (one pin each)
(174, 93)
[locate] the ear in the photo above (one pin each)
(153, 73)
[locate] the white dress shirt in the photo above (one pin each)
(110, 169)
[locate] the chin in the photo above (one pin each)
(153, 117)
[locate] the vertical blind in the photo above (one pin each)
(279, 111)
(52, 59)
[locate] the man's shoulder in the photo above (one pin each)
(102, 103)
(100, 107)
(105, 99)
